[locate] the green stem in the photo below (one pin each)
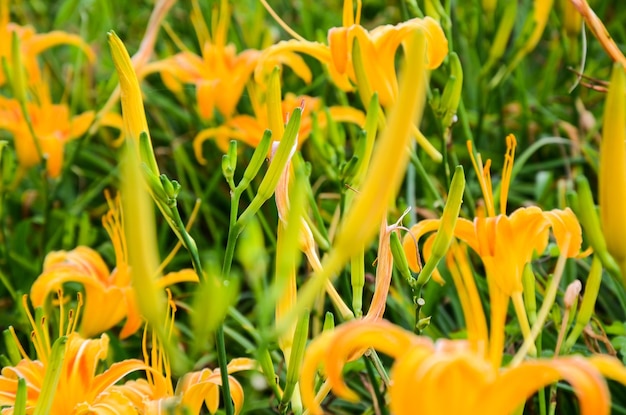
(233, 233)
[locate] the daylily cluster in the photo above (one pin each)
(469, 371)
(489, 367)
(82, 386)
(40, 128)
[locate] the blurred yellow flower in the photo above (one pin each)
(32, 44)
(445, 377)
(109, 296)
(52, 126)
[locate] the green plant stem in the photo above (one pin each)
(233, 233)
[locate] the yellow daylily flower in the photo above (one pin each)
(109, 296)
(447, 376)
(201, 387)
(250, 129)
(32, 44)
(378, 48)
(220, 73)
(505, 243)
(83, 386)
(52, 125)
(156, 395)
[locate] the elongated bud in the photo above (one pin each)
(285, 149)
(10, 344)
(445, 233)
(274, 104)
(588, 303)
(612, 174)
(501, 38)
(155, 185)
(297, 356)
(399, 258)
(227, 170)
(258, 157)
(132, 104)
(452, 91)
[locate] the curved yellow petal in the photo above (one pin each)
(515, 385)
(43, 41)
(352, 338)
(185, 275)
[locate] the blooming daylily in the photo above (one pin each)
(379, 47)
(375, 72)
(156, 395)
(82, 386)
(110, 296)
(505, 243)
(219, 73)
(448, 376)
(52, 125)
(32, 44)
(250, 129)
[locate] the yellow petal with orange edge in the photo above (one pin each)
(515, 385)
(351, 340)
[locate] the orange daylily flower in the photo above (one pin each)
(250, 129)
(110, 296)
(52, 125)
(220, 73)
(505, 243)
(156, 395)
(378, 48)
(32, 44)
(82, 387)
(448, 376)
